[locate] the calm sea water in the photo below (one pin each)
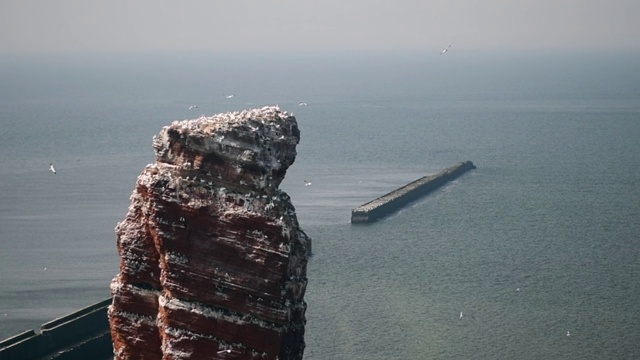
(540, 242)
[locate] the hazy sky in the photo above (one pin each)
(308, 25)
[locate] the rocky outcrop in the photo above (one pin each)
(212, 259)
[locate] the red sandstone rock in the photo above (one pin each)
(212, 256)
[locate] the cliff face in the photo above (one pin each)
(213, 262)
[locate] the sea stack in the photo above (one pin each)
(212, 258)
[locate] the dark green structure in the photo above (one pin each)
(81, 335)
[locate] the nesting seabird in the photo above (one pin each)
(53, 170)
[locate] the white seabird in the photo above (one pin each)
(302, 104)
(568, 333)
(193, 107)
(460, 314)
(445, 50)
(53, 170)
(307, 183)
(228, 351)
(229, 96)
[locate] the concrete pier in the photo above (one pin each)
(393, 201)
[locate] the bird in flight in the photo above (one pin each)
(302, 104)
(445, 50)
(228, 351)
(230, 96)
(307, 183)
(193, 107)
(53, 170)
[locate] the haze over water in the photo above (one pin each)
(540, 240)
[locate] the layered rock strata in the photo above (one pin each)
(212, 258)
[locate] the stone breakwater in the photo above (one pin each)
(212, 258)
(393, 201)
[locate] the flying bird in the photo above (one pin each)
(228, 351)
(229, 96)
(307, 183)
(302, 104)
(53, 170)
(193, 107)
(445, 50)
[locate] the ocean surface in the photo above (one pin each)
(533, 255)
